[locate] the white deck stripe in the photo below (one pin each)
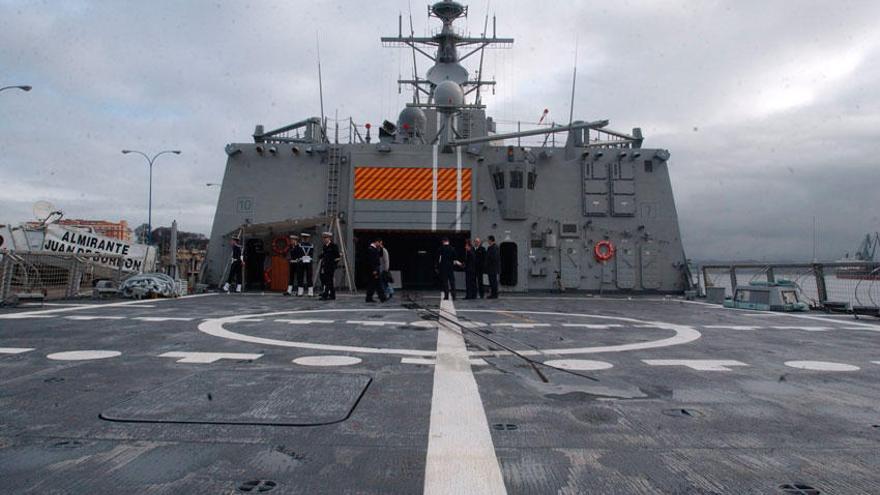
(36, 314)
(521, 325)
(696, 364)
(434, 189)
(461, 456)
(732, 327)
(458, 189)
(161, 318)
(304, 322)
(375, 323)
(432, 362)
(208, 357)
(90, 318)
(591, 325)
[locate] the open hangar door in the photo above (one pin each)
(412, 253)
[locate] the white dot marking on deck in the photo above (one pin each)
(83, 355)
(579, 364)
(327, 360)
(821, 366)
(15, 350)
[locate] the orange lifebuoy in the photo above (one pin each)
(280, 245)
(603, 251)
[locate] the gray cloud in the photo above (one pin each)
(769, 108)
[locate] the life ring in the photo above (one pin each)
(280, 245)
(603, 251)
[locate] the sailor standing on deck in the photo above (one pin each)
(470, 271)
(385, 271)
(446, 264)
(294, 264)
(493, 267)
(480, 252)
(304, 274)
(235, 267)
(327, 266)
(374, 262)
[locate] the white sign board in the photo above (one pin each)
(135, 257)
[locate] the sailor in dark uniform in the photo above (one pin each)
(292, 258)
(480, 252)
(446, 263)
(304, 273)
(327, 266)
(374, 262)
(493, 267)
(235, 267)
(470, 271)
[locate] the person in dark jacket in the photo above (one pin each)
(493, 267)
(293, 263)
(327, 267)
(234, 279)
(470, 271)
(480, 252)
(446, 265)
(374, 262)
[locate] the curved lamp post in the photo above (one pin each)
(150, 207)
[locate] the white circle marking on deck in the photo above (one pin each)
(579, 364)
(83, 355)
(821, 366)
(683, 335)
(327, 360)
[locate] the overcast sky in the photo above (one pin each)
(771, 109)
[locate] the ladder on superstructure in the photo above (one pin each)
(334, 160)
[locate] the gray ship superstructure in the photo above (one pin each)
(442, 170)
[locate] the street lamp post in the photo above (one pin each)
(23, 88)
(150, 206)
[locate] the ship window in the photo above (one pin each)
(499, 180)
(760, 297)
(516, 179)
(533, 177)
(649, 166)
(789, 297)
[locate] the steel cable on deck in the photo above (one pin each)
(532, 362)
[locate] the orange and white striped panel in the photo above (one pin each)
(409, 184)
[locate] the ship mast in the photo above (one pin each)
(443, 50)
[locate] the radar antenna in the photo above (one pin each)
(447, 62)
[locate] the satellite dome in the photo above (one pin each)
(448, 96)
(412, 120)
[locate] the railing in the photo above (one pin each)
(56, 275)
(851, 286)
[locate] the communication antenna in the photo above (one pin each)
(412, 33)
(482, 54)
(574, 80)
(320, 85)
(46, 213)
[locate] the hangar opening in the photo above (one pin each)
(413, 255)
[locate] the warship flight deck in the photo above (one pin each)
(256, 393)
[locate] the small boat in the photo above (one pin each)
(781, 295)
